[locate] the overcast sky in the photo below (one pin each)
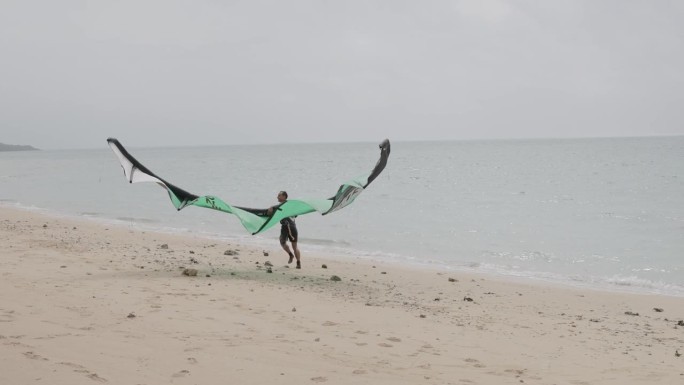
(158, 73)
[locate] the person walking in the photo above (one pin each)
(288, 232)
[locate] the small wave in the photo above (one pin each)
(89, 214)
(137, 220)
(325, 242)
(524, 256)
(641, 284)
(22, 206)
(631, 284)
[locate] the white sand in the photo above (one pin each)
(67, 291)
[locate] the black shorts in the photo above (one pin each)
(288, 232)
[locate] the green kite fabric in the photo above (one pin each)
(254, 220)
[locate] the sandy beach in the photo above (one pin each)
(86, 303)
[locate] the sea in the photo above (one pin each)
(604, 213)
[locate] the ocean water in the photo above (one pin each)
(605, 213)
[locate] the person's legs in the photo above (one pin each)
(283, 243)
(293, 237)
(289, 233)
(297, 254)
(289, 252)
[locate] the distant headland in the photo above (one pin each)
(14, 147)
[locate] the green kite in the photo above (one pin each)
(254, 220)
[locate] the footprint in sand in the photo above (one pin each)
(34, 356)
(182, 373)
(72, 365)
(475, 363)
(517, 372)
(95, 377)
(7, 316)
(83, 370)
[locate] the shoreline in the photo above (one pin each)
(85, 303)
(399, 261)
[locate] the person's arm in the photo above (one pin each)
(272, 209)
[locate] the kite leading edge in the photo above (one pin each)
(254, 220)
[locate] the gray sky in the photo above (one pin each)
(157, 73)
